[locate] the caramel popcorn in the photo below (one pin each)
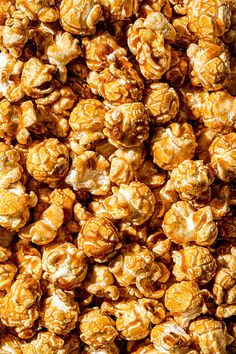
(222, 152)
(48, 161)
(99, 239)
(89, 172)
(59, 313)
(134, 317)
(184, 37)
(209, 64)
(10, 344)
(162, 102)
(127, 125)
(189, 305)
(210, 336)
(182, 224)
(119, 10)
(6, 9)
(44, 10)
(172, 145)
(191, 178)
(45, 342)
(80, 16)
(28, 260)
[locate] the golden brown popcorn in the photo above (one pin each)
(125, 163)
(204, 137)
(43, 10)
(100, 282)
(219, 200)
(14, 206)
(227, 227)
(10, 169)
(15, 33)
(209, 20)
(191, 178)
(97, 329)
(177, 74)
(150, 175)
(209, 64)
(80, 16)
(7, 7)
(81, 214)
(101, 50)
(183, 35)
(45, 229)
(172, 145)
(87, 120)
(45, 342)
(132, 202)
(161, 101)
(10, 82)
(169, 337)
(185, 301)
(182, 224)
(19, 308)
(147, 41)
(4, 254)
(64, 265)
(149, 6)
(10, 344)
(210, 336)
(180, 6)
(59, 312)
(107, 348)
(28, 260)
(99, 239)
(89, 172)
(37, 78)
(134, 317)
(223, 156)
(127, 125)
(8, 271)
(48, 161)
(160, 246)
(65, 199)
(217, 110)
(117, 84)
(194, 263)
(119, 9)
(64, 49)
(135, 269)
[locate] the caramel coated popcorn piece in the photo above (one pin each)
(172, 145)
(10, 169)
(119, 9)
(209, 64)
(182, 224)
(127, 125)
(65, 199)
(186, 301)
(89, 172)
(80, 16)
(99, 239)
(210, 336)
(191, 178)
(10, 344)
(44, 10)
(162, 102)
(48, 161)
(7, 7)
(97, 329)
(223, 156)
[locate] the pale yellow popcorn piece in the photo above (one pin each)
(101, 50)
(37, 78)
(127, 125)
(210, 336)
(161, 101)
(182, 224)
(80, 16)
(64, 49)
(172, 145)
(45, 229)
(10, 82)
(48, 161)
(132, 202)
(194, 263)
(89, 172)
(28, 260)
(14, 206)
(99, 239)
(185, 301)
(97, 329)
(209, 20)
(59, 312)
(191, 178)
(169, 338)
(64, 265)
(10, 344)
(209, 64)
(87, 120)
(100, 282)
(134, 317)
(44, 10)
(117, 84)
(119, 9)
(223, 156)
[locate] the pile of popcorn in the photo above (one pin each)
(117, 171)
